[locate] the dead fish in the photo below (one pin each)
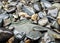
(53, 12)
(43, 22)
(29, 10)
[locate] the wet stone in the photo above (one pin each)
(49, 37)
(55, 25)
(41, 14)
(43, 22)
(46, 4)
(37, 6)
(20, 35)
(56, 5)
(28, 10)
(21, 41)
(34, 35)
(10, 9)
(1, 22)
(5, 35)
(53, 12)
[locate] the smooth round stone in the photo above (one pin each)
(34, 35)
(43, 21)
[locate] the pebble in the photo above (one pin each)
(28, 10)
(46, 4)
(43, 22)
(34, 17)
(41, 14)
(53, 12)
(34, 35)
(56, 5)
(37, 6)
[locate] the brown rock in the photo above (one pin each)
(34, 17)
(10, 40)
(27, 41)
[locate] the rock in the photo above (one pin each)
(33, 1)
(23, 15)
(21, 41)
(1, 5)
(51, 19)
(56, 0)
(7, 22)
(55, 25)
(27, 41)
(11, 40)
(40, 29)
(34, 17)
(18, 35)
(5, 34)
(1, 22)
(56, 5)
(12, 4)
(56, 36)
(11, 28)
(6, 19)
(43, 22)
(53, 12)
(41, 14)
(10, 8)
(37, 6)
(19, 6)
(28, 10)
(34, 35)
(15, 16)
(46, 4)
(49, 37)
(58, 18)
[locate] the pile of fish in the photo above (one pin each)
(29, 21)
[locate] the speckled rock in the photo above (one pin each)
(43, 22)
